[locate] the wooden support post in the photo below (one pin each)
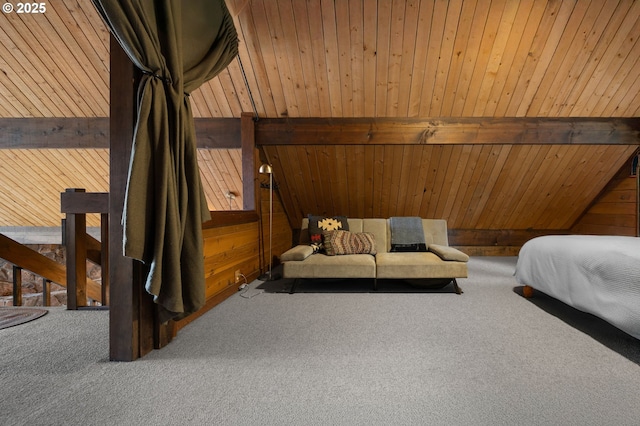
(638, 197)
(248, 142)
(17, 286)
(46, 292)
(76, 247)
(104, 257)
(131, 308)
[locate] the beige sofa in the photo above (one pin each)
(440, 261)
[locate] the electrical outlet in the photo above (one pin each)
(238, 276)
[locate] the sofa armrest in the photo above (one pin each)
(448, 253)
(299, 252)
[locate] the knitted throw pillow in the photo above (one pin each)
(344, 242)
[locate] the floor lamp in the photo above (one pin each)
(267, 169)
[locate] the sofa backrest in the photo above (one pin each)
(435, 231)
(355, 225)
(378, 227)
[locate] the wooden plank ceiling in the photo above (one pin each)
(357, 58)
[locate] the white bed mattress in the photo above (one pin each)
(595, 274)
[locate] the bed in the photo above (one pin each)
(595, 274)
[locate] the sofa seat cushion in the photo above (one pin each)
(323, 266)
(417, 265)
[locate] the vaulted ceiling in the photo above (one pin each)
(357, 58)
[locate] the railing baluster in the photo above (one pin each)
(17, 286)
(76, 203)
(46, 292)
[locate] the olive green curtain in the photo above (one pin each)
(178, 45)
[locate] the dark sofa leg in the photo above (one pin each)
(457, 287)
(375, 284)
(293, 286)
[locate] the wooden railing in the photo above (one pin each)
(22, 257)
(80, 246)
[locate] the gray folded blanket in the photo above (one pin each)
(407, 234)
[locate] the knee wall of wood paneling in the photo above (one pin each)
(615, 211)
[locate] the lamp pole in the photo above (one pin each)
(270, 221)
(266, 168)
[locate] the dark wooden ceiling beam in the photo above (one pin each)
(49, 132)
(444, 131)
(220, 133)
(93, 133)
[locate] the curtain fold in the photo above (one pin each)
(178, 46)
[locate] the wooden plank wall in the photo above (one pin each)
(473, 187)
(232, 241)
(227, 248)
(615, 212)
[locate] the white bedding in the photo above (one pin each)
(595, 274)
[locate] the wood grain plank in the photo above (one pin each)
(406, 171)
(53, 37)
(615, 73)
(550, 46)
(422, 42)
(210, 99)
(507, 37)
(395, 198)
(508, 77)
(456, 178)
(268, 54)
(383, 55)
(343, 34)
(421, 174)
(572, 55)
(627, 89)
(445, 56)
(82, 44)
(303, 176)
(281, 61)
(385, 187)
(569, 171)
(395, 57)
(356, 56)
(542, 163)
(366, 181)
(409, 40)
(482, 193)
(310, 87)
(480, 184)
(369, 56)
(436, 37)
(511, 176)
(20, 83)
(332, 59)
(378, 180)
(253, 64)
(438, 192)
(465, 51)
(293, 55)
(319, 59)
(544, 44)
(614, 36)
(468, 179)
(479, 55)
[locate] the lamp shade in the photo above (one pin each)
(266, 168)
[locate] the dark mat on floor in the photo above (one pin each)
(15, 315)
